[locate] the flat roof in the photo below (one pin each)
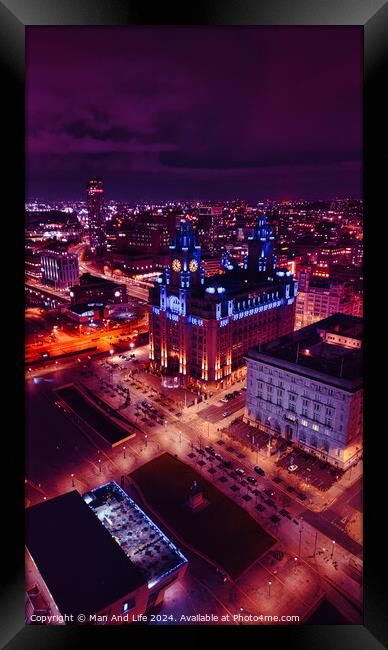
(83, 567)
(88, 280)
(141, 540)
(100, 421)
(304, 351)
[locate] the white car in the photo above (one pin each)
(293, 468)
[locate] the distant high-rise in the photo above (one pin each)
(96, 224)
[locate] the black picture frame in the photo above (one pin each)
(15, 16)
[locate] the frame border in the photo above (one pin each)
(372, 15)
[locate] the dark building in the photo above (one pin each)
(201, 327)
(80, 567)
(150, 234)
(91, 288)
(96, 222)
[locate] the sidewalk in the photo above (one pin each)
(317, 500)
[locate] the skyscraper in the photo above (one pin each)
(96, 224)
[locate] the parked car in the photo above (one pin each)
(240, 471)
(259, 470)
(251, 480)
(292, 468)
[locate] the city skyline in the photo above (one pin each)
(156, 126)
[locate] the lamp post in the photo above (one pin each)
(332, 548)
(72, 480)
(124, 451)
(269, 588)
(315, 544)
(99, 464)
(300, 535)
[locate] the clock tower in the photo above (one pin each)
(185, 269)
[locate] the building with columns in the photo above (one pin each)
(202, 327)
(307, 388)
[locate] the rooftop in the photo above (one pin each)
(149, 550)
(82, 566)
(87, 279)
(316, 349)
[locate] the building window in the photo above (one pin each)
(315, 427)
(304, 423)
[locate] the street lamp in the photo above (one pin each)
(295, 563)
(300, 534)
(99, 463)
(124, 450)
(332, 548)
(269, 588)
(72, 480)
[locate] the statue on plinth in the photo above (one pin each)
(196, 499)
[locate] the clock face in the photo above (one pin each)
(176, 265)
(193, 265)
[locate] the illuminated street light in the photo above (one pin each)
(269, 588)
(72, 480)
(99, 462)
(124, 450)
(332, 548)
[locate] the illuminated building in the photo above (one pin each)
(320, 296)
(201, 327)
(208, 218)
(306, 387)
(117, 561)
(96, 223)
(212, 265)
(33, 267)
(59, 269)
(91, 288)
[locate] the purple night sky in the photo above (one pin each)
(195, 112)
